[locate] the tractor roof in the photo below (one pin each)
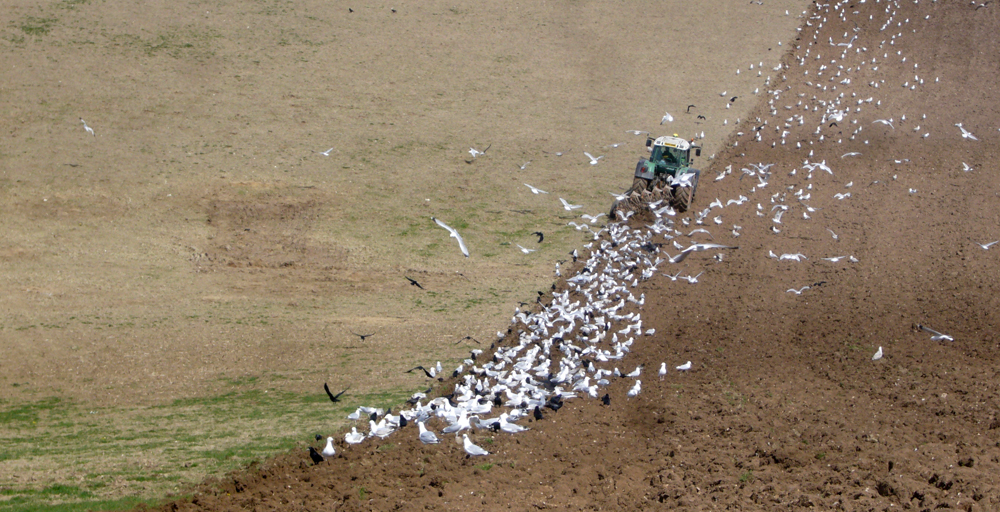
(673, 142)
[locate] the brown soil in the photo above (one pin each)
(784, 408)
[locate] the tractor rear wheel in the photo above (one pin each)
(638, 185)
(684, 196)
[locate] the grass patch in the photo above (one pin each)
(37, 26)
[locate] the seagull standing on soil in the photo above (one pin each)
(329, 451)
(636, 389)
(426, 436)
(663, 370)
(454, 234)
(685, 367)
(878, 354)
(472, 449)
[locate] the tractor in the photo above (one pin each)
(665, 175)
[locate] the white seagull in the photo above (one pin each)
(325, 153)
(89, 129)
(935, 336)
(685, 367)
(454, 234)
(525, 250)
(535, 190)
(475, 152)
(667, 118)
(797, 292)
(966, 134)
(878, 354)
(663, 370)
(426, 436)
(986, 247)
(592, 218)
(354, 437)
(632, 393)
(570, 207)
(593, 159)
(472, 449)
(329, 451)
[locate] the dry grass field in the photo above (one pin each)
(180, 283)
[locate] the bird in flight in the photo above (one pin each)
(535, 190)
(429, 373)
(966, 134)
(454, 234)
(541, 236)
(635, 132)
(883, 121)
(467, 338)
(797, 292)
(475, 152)
(667, 118)
(363, 336)
(593, 160)
(935, 336)
(334, 398)
(413, 282)
(524, 165)
(525, 250)
(966, 167)
(570, 207)
(986, 247)
(325, 153)
(591, 218)
(89, 129)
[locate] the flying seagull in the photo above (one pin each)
(593, 159)
(89, 129)
(985, 247)
(454, 234)
(635, 132)
(797, 292)
(535, 190)
(570, 207)
(966, 134)
(935, 336)
(413, 282)
(325, 153)
(334, 398)
(525, 250)
(667, 118)
(475, 152)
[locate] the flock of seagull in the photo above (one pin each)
(573, 346)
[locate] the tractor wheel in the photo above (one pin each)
(638, 185)
(684, 196)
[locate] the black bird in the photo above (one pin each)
(315, 456)
(833, 124)
(373, 416)
(541, 236)
(319, 437)
(334, 398)
(427, 373)
(538, 413)
(606, 399)
(363, 336)
(468, 338)
(689, 109)
(702, 117)
(350, 10)
(414, 283)
(402, 421)
(554, 403)
(733, 99)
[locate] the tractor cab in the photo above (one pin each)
(668, 154)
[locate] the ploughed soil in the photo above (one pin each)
(784, 407)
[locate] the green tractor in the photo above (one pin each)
(666, 175)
